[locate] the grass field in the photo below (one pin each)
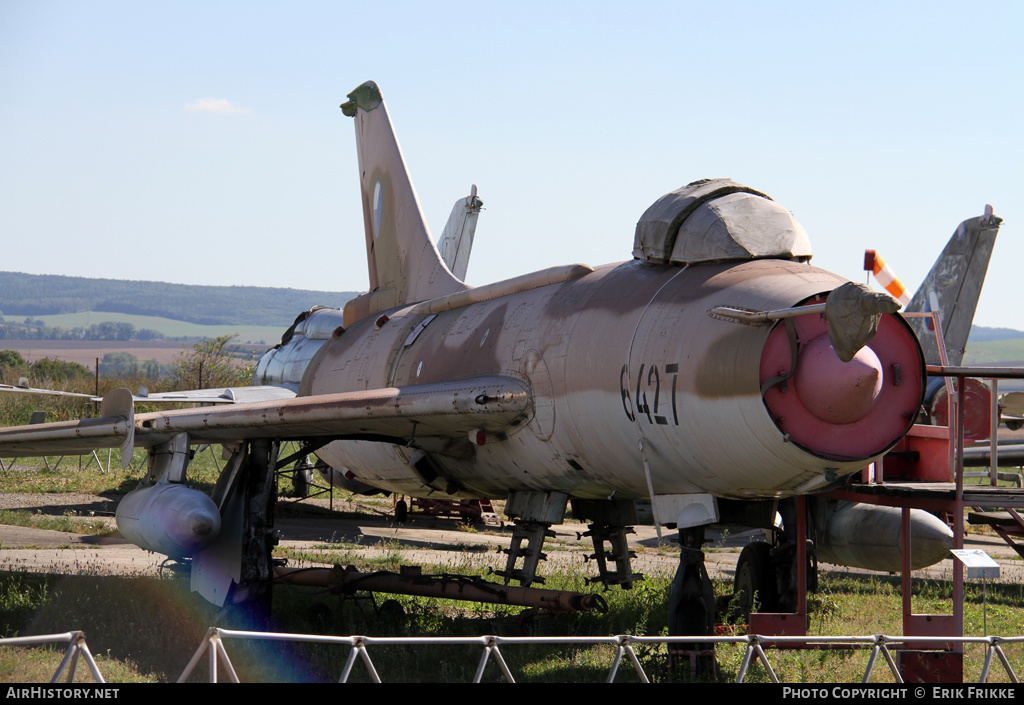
(145, 629)
(995, 352)
(269, 335)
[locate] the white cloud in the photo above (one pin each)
(214, 105)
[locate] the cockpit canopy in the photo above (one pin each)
(718, 219)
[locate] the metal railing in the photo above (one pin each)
(76, 647)
(880, 644)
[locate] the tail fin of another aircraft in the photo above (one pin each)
(404, 263)
(456, 241)
(953, 287)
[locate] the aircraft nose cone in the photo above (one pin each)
(834, 391)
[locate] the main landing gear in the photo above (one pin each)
(766, 581)
(236, 571)
(767, 577)
(691, 606)
(756, 582)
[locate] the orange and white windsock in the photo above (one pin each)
(874, 263)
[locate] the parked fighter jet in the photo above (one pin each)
(716, 373)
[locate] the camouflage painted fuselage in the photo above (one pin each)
(623, 357)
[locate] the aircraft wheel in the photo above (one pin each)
(391, 612)
(756, 585)
(401, 511)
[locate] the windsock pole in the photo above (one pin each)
(874, 263)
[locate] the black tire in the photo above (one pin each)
(401, 511)
(756, 584)
(391, 612)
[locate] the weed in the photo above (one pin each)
(69, 522)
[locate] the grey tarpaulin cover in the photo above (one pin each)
(718, 219)
(853, 311)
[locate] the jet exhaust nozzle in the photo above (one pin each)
(842, 410)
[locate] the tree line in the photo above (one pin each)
(35, 329)
(212, 362)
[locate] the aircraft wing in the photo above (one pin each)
(50, 392)
(220, 395)
(223, 395)
(115, 428)
(449, 409)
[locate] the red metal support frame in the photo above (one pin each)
(929, 496)
(789, 623)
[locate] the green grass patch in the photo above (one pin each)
(69, 522)
(91, 475)
(38, 664)
(994, 351)
(148, 629)
(170, 328)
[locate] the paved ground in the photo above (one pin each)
(423, 540)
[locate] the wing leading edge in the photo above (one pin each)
(218, 395)
(115, 428)
(449, 409)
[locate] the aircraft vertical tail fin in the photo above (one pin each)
(404, 263)
(456, 241)
(953, 287)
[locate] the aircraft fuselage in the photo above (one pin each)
(627, 355)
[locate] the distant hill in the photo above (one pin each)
(23, 295)
(50, 294)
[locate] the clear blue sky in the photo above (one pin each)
(202, 142)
